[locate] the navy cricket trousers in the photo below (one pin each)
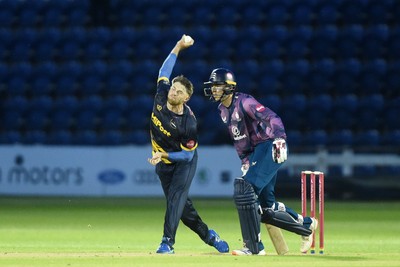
(176, 179)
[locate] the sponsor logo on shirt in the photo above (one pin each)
(236, 134)
(159, 125)
(260, 108)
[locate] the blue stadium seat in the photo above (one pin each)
(138, 137)
(321, 76)
(86, 120)
(199, 105)
(296, 44)
(315, 138)
(318, 111)
(375, 41)
(249, 15)
(10, 137)
(18, 79)
(45, 46)
(391, 138)
(97, 41)
(349, 41)
(346, 77)
(67, 78)
(254, 33)
(301, 14)
(60, 120)
(294, 138)
(34, 137)
(294, 76)
(341, 138)
(294, 107)
(3, 73)
(92, 79)
(36, 120)
(323, 42)
(60, 137)
(69, 49)
(391, 114)
(393, 45)
(71, 43)
(86, 138)
(12, 119)
(19, 103)
(367, 138)
(116, 102)
(111, 120)
(369, 112)
(392, 79)
(43, 77)
(29, 13)
(40, 103)
(270, 46)
(378, 12)
(21, 49)
(221, 49)
(6, 17)
(327, 13)
(120, 49)
(276, 14)
(111, 138)
(68, 103)
(208, 137)
(6, 39)
(118, 75)
(143, 102)
(201, 16)
(174, 14)
(372, 76)
(52, 16)
(352, 12)
(76, 16)
(344, 110)
(137, 119)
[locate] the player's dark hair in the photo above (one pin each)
(185, 82)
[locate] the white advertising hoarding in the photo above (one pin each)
(106, 171)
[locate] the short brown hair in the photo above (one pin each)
(185, 82)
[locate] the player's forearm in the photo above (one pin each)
(181, 156)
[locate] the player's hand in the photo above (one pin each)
(185, 41)
(244, 168)
(279, 151)
(155, 159)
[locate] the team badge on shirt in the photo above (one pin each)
(190, 144)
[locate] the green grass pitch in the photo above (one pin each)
(127, 231)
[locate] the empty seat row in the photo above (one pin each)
(296, 139)
(81, 137)
(153, 42)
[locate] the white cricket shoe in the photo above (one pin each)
(246, 252)
(306, 241)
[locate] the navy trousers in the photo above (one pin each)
(175, 180)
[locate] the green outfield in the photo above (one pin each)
(126, 232)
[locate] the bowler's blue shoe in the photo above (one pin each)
(215, 241)
(165, 249)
